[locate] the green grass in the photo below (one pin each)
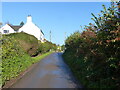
(12, 71)
(40, 57)
(14, 58)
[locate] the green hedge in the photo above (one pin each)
(46, 47)
(29, 43)
(94, 54)
(15, 59)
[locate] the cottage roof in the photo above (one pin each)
(41, 31)
(16, 28)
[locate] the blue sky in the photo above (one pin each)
(59, 17)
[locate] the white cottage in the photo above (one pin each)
(32, 29)
(7, 29)
(29, 28)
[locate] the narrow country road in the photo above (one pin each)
(51, 72)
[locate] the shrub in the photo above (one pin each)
(93, 55)
(28, 42)
(46, 47)
(14, 59)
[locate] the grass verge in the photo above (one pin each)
(30, 62)
(40, 57)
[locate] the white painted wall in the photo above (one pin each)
(6, 27)
(42, 37)
(32, 29)
(29, 28)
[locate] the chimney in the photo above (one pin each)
(29, 18)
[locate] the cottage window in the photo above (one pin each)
(6, 31)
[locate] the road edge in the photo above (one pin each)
(13, 81)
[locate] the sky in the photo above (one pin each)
(57, 0)
(57, 17)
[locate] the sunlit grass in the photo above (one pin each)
(40, 57)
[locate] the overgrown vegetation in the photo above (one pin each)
(17, 49)
(39, 57)
(29, 43)
(94, 54)
(46, 47)
(14, 59)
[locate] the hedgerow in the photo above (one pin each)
(94, 54)
(14, 59)
(46, 47)
(17, 49)
(29, 43)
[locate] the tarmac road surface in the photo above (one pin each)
(51, 72)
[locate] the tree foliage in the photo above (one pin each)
(22, 23)
(46, 47)
(94, 54)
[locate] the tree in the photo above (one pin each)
(22, 23)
